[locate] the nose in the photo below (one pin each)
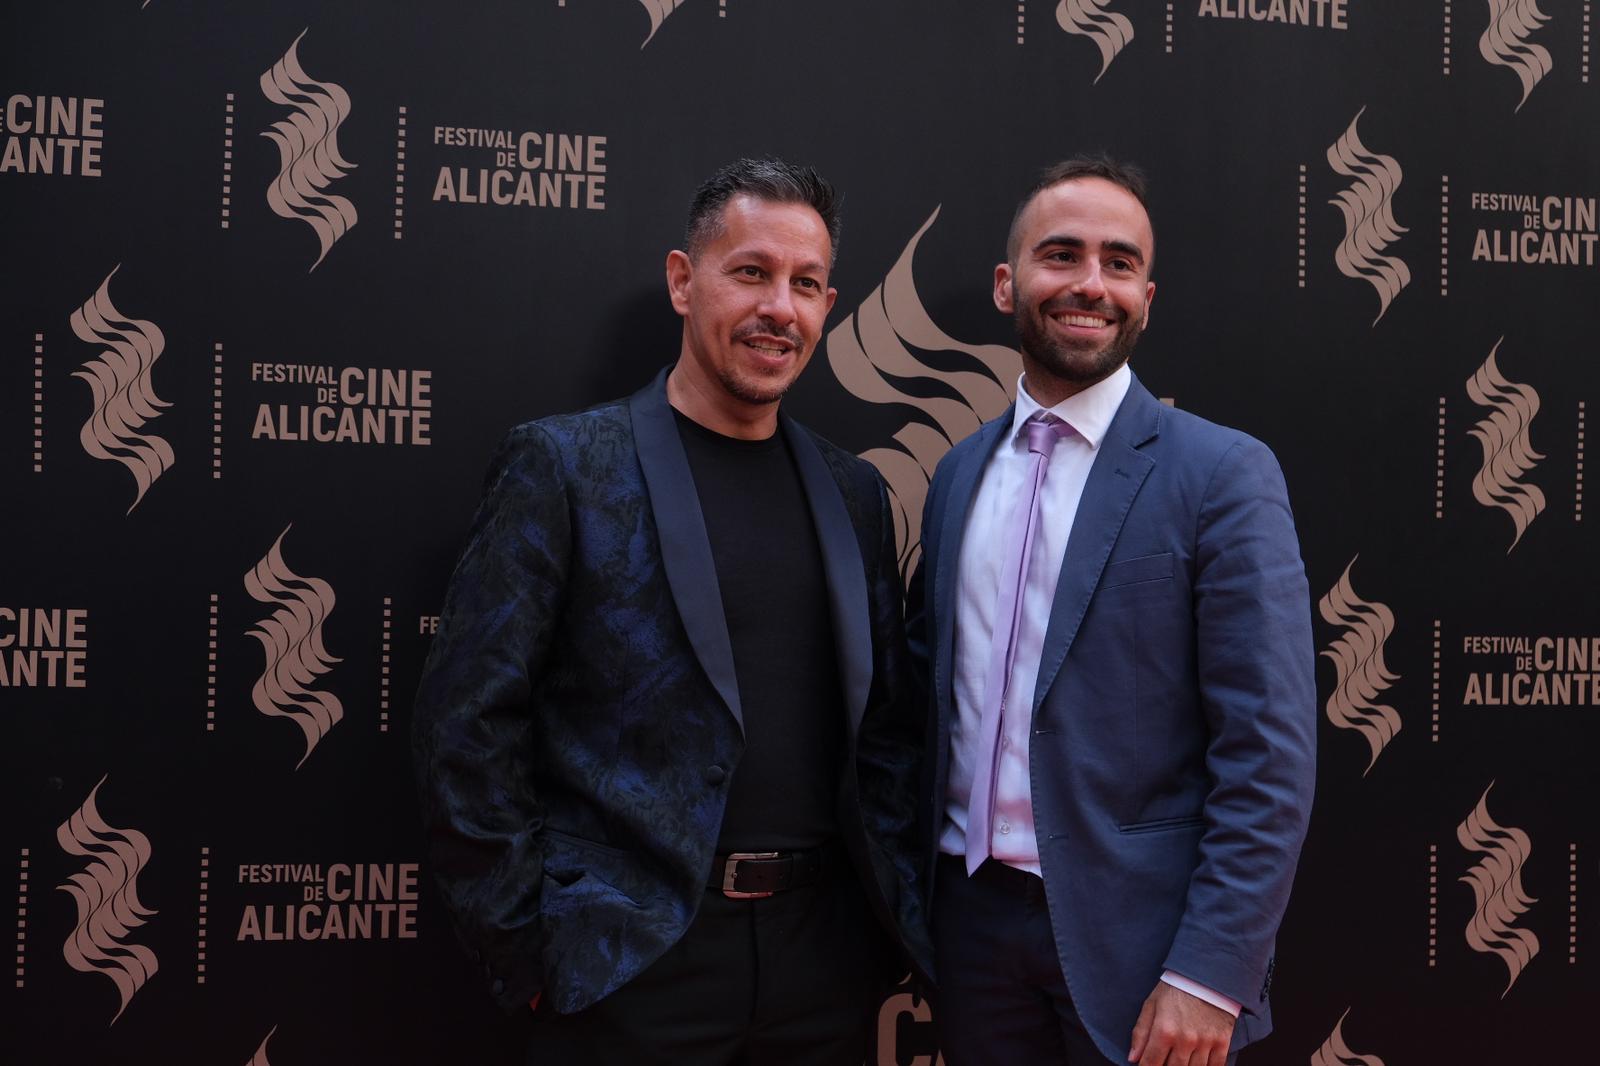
(1090, 283)
(778, 302)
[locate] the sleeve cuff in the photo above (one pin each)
(1200, 991)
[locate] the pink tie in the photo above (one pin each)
(1043, 432)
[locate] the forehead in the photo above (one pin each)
(1090, 209)
(787, 230)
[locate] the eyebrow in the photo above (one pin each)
(1125, 247)
(760, 255)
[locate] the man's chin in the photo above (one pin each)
(756, 392)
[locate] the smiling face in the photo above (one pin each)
(1079, 287)
(753, 304)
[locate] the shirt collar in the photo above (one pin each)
(1089, 412)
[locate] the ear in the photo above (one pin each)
(1003, 292)
(833, 294)
(680, 272)
(1149, 299)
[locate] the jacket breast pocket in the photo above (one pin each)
(1137, 571)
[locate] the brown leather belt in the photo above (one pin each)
(758, 874)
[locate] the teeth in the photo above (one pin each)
(1083, 320)
(765, 347)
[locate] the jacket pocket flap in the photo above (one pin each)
(1131, 571)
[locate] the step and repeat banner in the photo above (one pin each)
(280, 275)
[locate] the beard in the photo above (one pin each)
(1080, 363)
(752, 387)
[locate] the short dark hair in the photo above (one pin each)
(1126, 175)
(769, 178)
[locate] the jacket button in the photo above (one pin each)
(715, 775)
(499, 987)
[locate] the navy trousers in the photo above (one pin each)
(1002, 999)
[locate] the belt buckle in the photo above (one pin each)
(730, 870)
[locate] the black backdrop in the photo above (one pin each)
(1346, 196)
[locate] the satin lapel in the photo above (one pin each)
(843, 568)
(945, 576)
(1115, 478)
(681, 529)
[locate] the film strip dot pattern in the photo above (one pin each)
(1577, 488)
(38, 403)
(1300, 229)
(216, 411)
(22, 919)
(722, 9)
(1572, 904)
(1437, 642)
(1438, 475)
(399, 174)
(1022, 22)
(1169, 29)
(1444, 235)
(227, 158)
(1447, 38)
(1587, 37)
(383, 679)
(211, 666)
(1433, 905)
(200, 917)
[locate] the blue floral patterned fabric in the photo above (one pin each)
(576, 726)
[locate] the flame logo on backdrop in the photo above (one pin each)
(658, 11)
(1505, 42)
(292, 640)
(260, 1057)
(1358, 658)
(107, 896)
(869, 349)
(308, 150)
(124, 399)
(1497, 889)
(1369, 225)
(1507, 452)
(1109, 30)
(1335, 1052)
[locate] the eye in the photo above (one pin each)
(1061, 255)
(808, 283)
(1121, 264)
(748, 271)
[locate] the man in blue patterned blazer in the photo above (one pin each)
(667, 770)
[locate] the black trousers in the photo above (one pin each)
(1002, 998)
(795, 979)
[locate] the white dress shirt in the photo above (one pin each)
(1089, 413)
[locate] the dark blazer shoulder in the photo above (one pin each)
(578, 441)
(1201, 442)
(575, 427)
(858, 479)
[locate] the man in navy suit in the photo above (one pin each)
(666, 764)
(1123, 744)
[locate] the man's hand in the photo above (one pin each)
(1177, 1029)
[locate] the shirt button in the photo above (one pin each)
(1004, 828)
(1005, 742)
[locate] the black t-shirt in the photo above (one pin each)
(785, 790)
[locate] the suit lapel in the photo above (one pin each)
(1119, 471)
(953, 522)
(842, 567)
(681, 530)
